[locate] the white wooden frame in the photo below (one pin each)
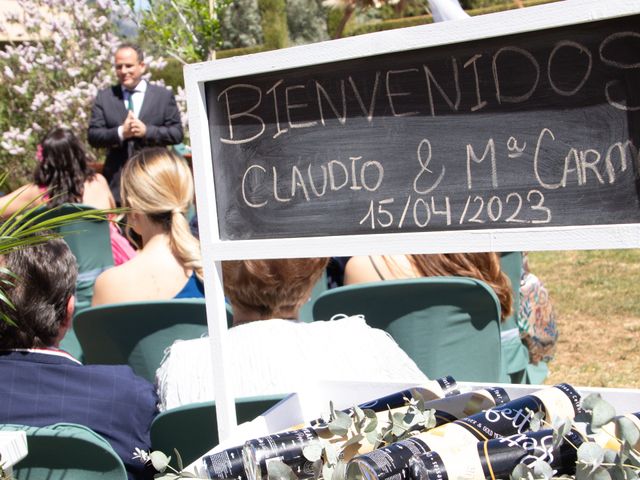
(564, 13)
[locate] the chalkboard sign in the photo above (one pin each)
(534, 129)
(512, 131)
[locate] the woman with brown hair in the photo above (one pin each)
(482, 266)
(271, 351)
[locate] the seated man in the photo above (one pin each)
(42, 385)
(272, 352)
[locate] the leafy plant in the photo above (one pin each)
(31, 225)
(187, 30)
(594, 461)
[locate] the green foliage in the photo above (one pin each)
(52, 79)
(237, 52)
(171, 74)
(241, 25)
(379, 26)
(274, 23)
(31, 225)
(306, 20)
(188, 30)
(334, 16)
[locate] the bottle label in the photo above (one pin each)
(497, 458)
(500, 456)
(225, 465)
(448, 385)
(428, 466)
(387, 463)
(515, 416)
(286, 447)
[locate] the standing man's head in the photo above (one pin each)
(129, 65)
(42, 293)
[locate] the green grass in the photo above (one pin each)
(595, 295)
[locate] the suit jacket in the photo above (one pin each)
(159, 113)
(39, 389)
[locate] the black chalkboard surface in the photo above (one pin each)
(527, 130)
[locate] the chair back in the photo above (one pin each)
(89, 240)
(66, 452)
(306, 311)
(447, 325)
(192, 429)
(137, 333)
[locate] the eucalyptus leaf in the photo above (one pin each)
(332, 453)
(278, 470)
(159, 460)
(632, 474)
(617, 473)
(610, 456)
(373, 438)
(602, 414)
(359, 414)
(187, 475)
(371, 425)
(353, 440)
(312, 452)
(591, 453)
(542, 469)
(600, 473)
(628, 430)
(327, 471)
(536, 422)
(340, 471)
(178, 459)
(340, 424)
(520, 472)
(590, 401)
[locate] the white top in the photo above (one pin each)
(276, 356)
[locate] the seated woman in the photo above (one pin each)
(272, 353)
(482, 266)
(63, 175)
(158, 188)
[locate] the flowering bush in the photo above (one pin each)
(52, 78)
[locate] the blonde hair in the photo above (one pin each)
(158, 183)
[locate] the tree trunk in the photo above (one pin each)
(348, 11)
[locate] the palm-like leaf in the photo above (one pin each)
(32, 225)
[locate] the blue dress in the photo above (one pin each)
(192, 289)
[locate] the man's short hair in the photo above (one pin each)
(133, 46)
(45, 279)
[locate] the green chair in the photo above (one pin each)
(66, 451)
(447, 325)
(90, 242)
(138, 333)
(306, 311)
(192, 429)
(515, 355)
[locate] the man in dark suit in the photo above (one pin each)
(132, 115)
(43, 385)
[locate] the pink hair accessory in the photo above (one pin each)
(39, 156)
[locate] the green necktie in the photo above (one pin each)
(130, 100)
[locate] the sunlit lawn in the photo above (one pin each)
(596, 297)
